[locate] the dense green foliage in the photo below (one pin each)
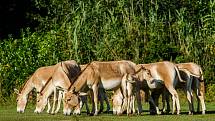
(143, 31)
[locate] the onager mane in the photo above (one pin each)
(77, 76)
(49, 79)
(25, 84)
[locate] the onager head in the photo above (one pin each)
(41, 103)
(21, 101)
(145, 74)
(71, 102)
(117, 102)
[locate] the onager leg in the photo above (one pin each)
(165, 100)
(107, 101)
(83, 102)
(54, 101)
(154, 102)
(60, 95)
(190, 95)
(141, 94)
(129, 93)
(103, 97)
(49, 107)
(95, 93)
(101, 100)
(139, 102)
(124, 105)
(175, 100)
(86, 105)
(188, 88)
(133, 104)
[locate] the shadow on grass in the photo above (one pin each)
(146, 112)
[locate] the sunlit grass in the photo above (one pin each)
(8, 113)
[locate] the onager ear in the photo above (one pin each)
(16, 91)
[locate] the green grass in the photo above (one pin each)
(8, 113)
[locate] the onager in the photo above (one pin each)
(117, 101)
(107, 75)
(64, 75)
(102, 97)
(118, 97)
(193, 75)
(166, 75)
(37, 81)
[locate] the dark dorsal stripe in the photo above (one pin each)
(139, 69)
(65, 71)
(45, 84)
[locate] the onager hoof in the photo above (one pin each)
(107, 111)
(91, 114)
(190, 113)
(95, 114)
(158, 112)
(178, 112)
(203, 112)
(88, 113)
(119, 114)
(52, 113)
(100, 111)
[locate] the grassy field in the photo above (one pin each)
(8, 113)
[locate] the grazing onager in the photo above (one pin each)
(37, 81)
(165, 74)
(64, 75)
(117, 101)
(193, 75)
(107, 75)
(118, 97)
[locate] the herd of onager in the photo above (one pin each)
(74, 83)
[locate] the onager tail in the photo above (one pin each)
(201, 76)
(179, 76)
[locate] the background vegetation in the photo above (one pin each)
(143, 31)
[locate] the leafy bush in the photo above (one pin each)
(210, 94)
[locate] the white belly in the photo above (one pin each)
(109, 84)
